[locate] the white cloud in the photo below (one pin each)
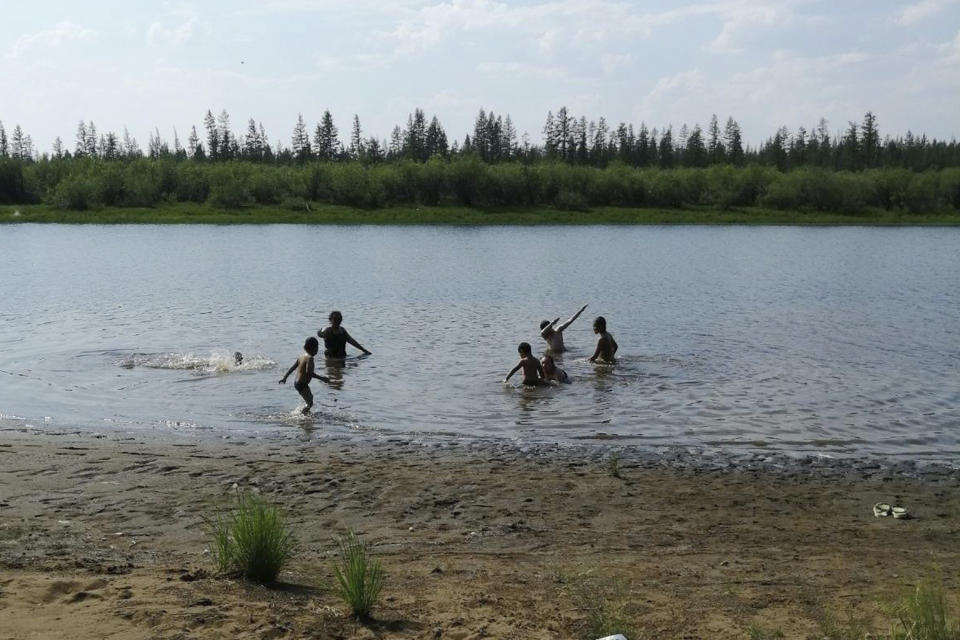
(62, 32)
(157, 33)
(919, 11)
(679, 83)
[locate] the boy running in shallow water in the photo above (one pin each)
(304, 369)
(606, 345)
(532, 369)
(553, 333)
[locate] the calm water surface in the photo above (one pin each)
(838, 341)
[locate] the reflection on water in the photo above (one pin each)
(829, 340)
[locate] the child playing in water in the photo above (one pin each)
(553, 373)
(304, 368)
(606, 345)
(532, 369)
(335, 339)
(554, 334)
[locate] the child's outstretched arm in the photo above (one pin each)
(283, 380)
(513, 371)
(570, 321)
(350, 340)
(548, 327)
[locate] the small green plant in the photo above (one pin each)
(252, 540)
(923, 614)
(359, 577)
(613, 466)
(603, 614)
(757, 632)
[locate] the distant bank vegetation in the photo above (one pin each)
(579, 165)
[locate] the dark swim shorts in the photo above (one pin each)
(300, 386)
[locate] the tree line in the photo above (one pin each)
(577, 164)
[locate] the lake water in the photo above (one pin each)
(799, 340)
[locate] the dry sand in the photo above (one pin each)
(104, 537)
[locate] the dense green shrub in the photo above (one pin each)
(78, 192)
(229, 186)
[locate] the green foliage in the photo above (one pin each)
(600, 604)
(923, 614)
(87, 183)
(359, 576)
(253, 540)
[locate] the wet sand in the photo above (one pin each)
(104, 537)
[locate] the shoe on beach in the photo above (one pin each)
(900, 513)
(882, 510)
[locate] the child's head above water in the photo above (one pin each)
(311, 346)
(524, 349)
(599, 325)
(544, 324)
(335, 318)
(548, 364)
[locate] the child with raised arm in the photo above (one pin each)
(606, 345)
(553, 333)
(304, 369)
(532, 369)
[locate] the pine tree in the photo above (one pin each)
(373, 150)
(436, 139)
(598, 147)
(356, 140)
(734, 142)
(177, 148)
(415, 137)
(644, 156)
(251, 142)
(850, 148)
(80, 147)
(549, 136)
(300, 141)
(193, 142)
(508, 142)
(666, 149)
(227, 143)
(395, 150)
(870, 140)
(17, 146)
(4, 149)
(57, 148)
(563, 134)
(213, 136)
(111, 146)
(696, 152)
(90, 146)
(325, 138)
(715, 145)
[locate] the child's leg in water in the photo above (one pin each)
(307, 396)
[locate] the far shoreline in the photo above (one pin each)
(323, 214)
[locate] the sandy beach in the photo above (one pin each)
(104, 536)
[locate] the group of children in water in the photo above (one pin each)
(536, 372)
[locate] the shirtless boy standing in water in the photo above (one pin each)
(554, 334)
(606, 345)
(532, 369)
(304, 369)
(336, 338)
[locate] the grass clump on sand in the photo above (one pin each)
(359, 576)
(599, 602)
(253, 540)
(923, 614)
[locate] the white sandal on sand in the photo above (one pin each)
(882, 510)
(900, 513)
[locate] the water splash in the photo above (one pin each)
(217, 362)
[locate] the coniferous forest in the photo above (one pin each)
(576, 165)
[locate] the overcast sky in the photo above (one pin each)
(765, 62)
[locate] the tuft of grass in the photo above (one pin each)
(757, 632)
(601, 605)
(359, 576)
(253, 540)
(613, 466)
(923, 614)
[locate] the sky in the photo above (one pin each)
(766, 63)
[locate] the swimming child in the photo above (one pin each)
(554, 334)
(532, 369)
(237, 358)
(335, 339)
(606, 345)
(553, 373)
(304, 369)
